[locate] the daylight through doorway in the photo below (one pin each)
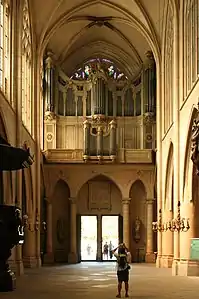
(110, 236)
(88, 238)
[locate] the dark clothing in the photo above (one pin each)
(106, 249)
(123, 275)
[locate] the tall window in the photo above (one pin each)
(168, 71)
(4, 45)
(26, 70)
(191, 46)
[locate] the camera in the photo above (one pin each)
(11, 234)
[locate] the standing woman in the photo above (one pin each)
(123, 260)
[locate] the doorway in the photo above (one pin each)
(88, 238)
(110, 236)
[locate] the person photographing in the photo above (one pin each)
(123, 257)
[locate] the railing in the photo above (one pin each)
(125, 156)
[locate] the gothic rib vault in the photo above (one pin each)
(121, 30)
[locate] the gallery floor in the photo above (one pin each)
(98, 280)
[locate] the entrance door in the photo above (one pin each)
(88, 238)
(110, 236)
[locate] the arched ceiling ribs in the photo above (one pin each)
(130, 20)
(149, 22)
(98, 22)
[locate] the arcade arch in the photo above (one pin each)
(60, 222)
(138, 197)
(100, 197)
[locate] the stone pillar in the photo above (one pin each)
(49, 256)
(49, 83)
(99, 238)
(159, 241)
(150, 256)
(188, 267)
(167, 240)
(126, 221)
(99, 142)
(72, 258)
(19, 262)
(29, 258)
(86, 152)
(113, 140)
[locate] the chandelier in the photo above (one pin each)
(158, 226)
(177, 224)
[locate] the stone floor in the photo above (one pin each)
(98, 280)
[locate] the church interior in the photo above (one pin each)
(103, 96)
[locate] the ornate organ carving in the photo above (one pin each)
(99, 111)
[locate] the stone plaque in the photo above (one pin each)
(194, 250)
(99, 196)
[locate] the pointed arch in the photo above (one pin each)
(188, 164)
(62, 184)
(139, 183)
(26, 68)
(95, 176)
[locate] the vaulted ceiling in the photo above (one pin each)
(119, 30)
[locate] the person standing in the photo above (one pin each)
(110, 250)
(105, 251)
(89, 249)
(123, 260)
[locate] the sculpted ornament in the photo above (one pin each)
(195, 145)
(137, 230)
(149, 118)
(49, 115)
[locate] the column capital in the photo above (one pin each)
(73, 200)
(150, 201)
(126, 200)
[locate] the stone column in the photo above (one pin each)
(49, 256)
(187, 266)
(99, 238)
(19, 262)
(99, 142)
(150, 256)
(86, 152)
(126, 221)
(72, 258)
(113, 140)
(167, 241)
(29, 258)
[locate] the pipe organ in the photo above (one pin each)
(98, 110)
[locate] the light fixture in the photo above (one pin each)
(158, 226)
(179, 224)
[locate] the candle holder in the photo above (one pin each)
(159, 226)
(179, 224)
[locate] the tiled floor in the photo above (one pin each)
(98, 280)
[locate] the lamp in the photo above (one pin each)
(158, 226)
(179, 224)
